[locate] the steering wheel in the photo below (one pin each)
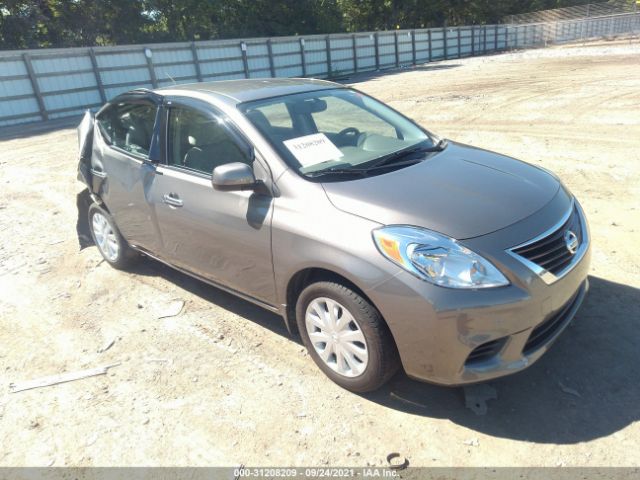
(351, 136)
(349, 131)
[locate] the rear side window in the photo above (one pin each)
(128, 126)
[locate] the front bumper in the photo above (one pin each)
(455, 337)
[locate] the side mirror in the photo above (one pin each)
(233, 176)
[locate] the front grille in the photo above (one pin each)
(551, 252)
(486, 351)
(547, 329)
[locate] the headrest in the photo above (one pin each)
(259, 119)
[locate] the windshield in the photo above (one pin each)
(330, 130)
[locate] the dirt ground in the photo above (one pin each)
(223, 384)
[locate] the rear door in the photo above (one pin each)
(123, 165)
(224, 237)
(85, 145)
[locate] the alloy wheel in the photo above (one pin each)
(105, 237)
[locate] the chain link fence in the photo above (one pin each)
(613, 7)
(44, 84)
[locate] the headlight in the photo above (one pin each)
(436, 258)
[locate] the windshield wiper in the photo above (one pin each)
(337, 171)
(362, 172)
(392, 157)
(386, 162)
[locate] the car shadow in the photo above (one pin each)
(154, 268)
(587, 386)
(354, 78)
(243, 308)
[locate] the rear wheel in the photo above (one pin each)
(111, 245)
(346, 336)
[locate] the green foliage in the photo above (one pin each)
(390, 14)
(66, 23)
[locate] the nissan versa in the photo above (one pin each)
(380, 243)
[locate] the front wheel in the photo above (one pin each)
(111, 245)
(346, 336)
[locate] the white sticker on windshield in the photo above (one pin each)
(313, 149)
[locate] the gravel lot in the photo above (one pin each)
(223, 384)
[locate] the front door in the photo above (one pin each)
(221, 236)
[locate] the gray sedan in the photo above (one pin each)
(379, 243)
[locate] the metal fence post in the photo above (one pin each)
(377, 49)
(96, 73)
(303, 57)
(355, 52)
(459, 43)
(35, 86)
(587, 27)
(245, 62)
(327, 42)
(148, 54)
(444, 39)
(196, 61)
(540, 36)
(430, 45)
(473, 40)
(395, 42)
(413, 46)
(272, 67)
(495, 38)
(484, 39)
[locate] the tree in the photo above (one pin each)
(66, 23)
(24, 24)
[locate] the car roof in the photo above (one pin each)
(246, 90)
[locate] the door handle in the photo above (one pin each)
(98, 172)
(172, 199)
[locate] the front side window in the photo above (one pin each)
(200, 142)
(128, 126)
(333, 128)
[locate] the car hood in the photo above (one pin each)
(462, 192)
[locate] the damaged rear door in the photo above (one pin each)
(85, 146)
(122, 163)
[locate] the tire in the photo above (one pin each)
(111, 245)
(371, 356)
